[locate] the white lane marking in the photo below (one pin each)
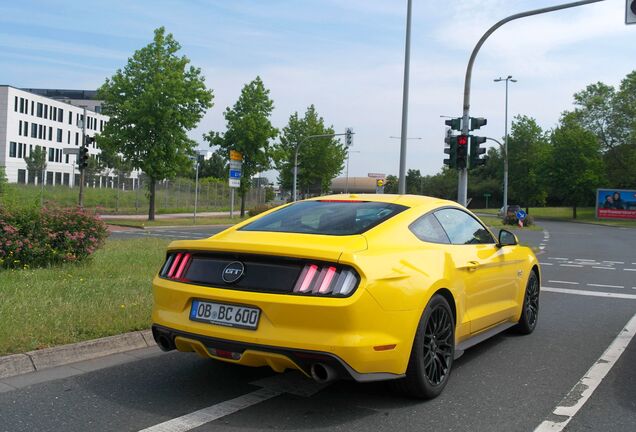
(584, 259)
(570, 265)
(544, 263)
(615, 262)
(293, 383)
(604, 268)
(606, 286)
(564, 282)
(555, 258)
(589, 293)
(629, 269)
(214, 412)
(582, 390)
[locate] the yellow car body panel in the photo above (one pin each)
(372, 330)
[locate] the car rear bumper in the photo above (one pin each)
(248, 354)
(353, 334)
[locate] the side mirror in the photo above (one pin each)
(506, 238)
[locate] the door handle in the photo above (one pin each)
(472, 265)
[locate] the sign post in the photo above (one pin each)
(236, 166)
(487, 195)
(379, 186)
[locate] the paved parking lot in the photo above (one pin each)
(578, 365)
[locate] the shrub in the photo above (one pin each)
(512, 220)
(259, 208)
(41, 237)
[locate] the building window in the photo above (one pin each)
(76, 138)
(49, 178)
(77, 120)
(50, 133)
(15, 106)
(20, 154)
(98, 109)
(70, 117)
(46, 111)
(21, 105)
(68, 137)
(21, 176)
(67, 160)
(66, 178)
(20, 128)
(12, 149)
(34, 130)
(101, 125)
(25, 131)
(40, 109)
(60, 115)
(59, 135)
(32, 107)
(58, 178)
(41, 132)
(51, 154)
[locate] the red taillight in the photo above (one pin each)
(326, 280)
(174, 265)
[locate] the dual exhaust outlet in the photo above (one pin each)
(320, 372)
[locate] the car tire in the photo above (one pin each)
(530, 311)
(432, 353)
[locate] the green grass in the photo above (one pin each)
(108, 295)
(583, 214)
(176, 221)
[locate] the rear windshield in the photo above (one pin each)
(326, 217)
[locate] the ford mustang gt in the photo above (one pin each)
(365, 287)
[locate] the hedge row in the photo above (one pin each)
(42, 237)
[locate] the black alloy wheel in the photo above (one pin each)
(432, 353)
(530, 313)
(438, 345)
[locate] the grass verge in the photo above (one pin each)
(108, 295)
(583, 214)
(496, 222)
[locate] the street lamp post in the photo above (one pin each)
(405, 102)
(505, 146)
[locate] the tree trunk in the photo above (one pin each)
(243, 203)
(574, 212)
(151, 199)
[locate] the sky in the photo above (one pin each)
(344, 56)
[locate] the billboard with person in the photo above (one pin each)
(615, 204)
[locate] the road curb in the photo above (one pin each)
(32, 361)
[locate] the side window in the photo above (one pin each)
(462, 228)
(428, 229)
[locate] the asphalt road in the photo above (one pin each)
(508, 383)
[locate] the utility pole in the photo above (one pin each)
(405, 102)
(462, 183)
(82, 170)
(505, 147)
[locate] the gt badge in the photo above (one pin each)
(232, 272)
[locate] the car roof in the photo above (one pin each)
(405, 200)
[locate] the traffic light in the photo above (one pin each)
(349, 137)
(462, 151)
(82, 157)
(476, 151)
(89, 140)
(454, 124)
(477, 122)
(450, 149)
(630, 12)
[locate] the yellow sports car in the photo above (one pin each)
(368, 287)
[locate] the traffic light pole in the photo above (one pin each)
(82, 171)
(462, 184)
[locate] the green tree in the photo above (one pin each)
(36, 164)
(442, 184)
(152, 103)
(575, 165)
(414, 182)
(320, 160)
(249, 132)
(391, 184)
(527, 152)
(215, 167)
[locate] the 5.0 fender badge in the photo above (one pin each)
(233, 272)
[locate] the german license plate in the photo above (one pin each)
(225, 314)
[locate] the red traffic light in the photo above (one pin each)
(462, 140)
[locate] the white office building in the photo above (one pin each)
(51, 119)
